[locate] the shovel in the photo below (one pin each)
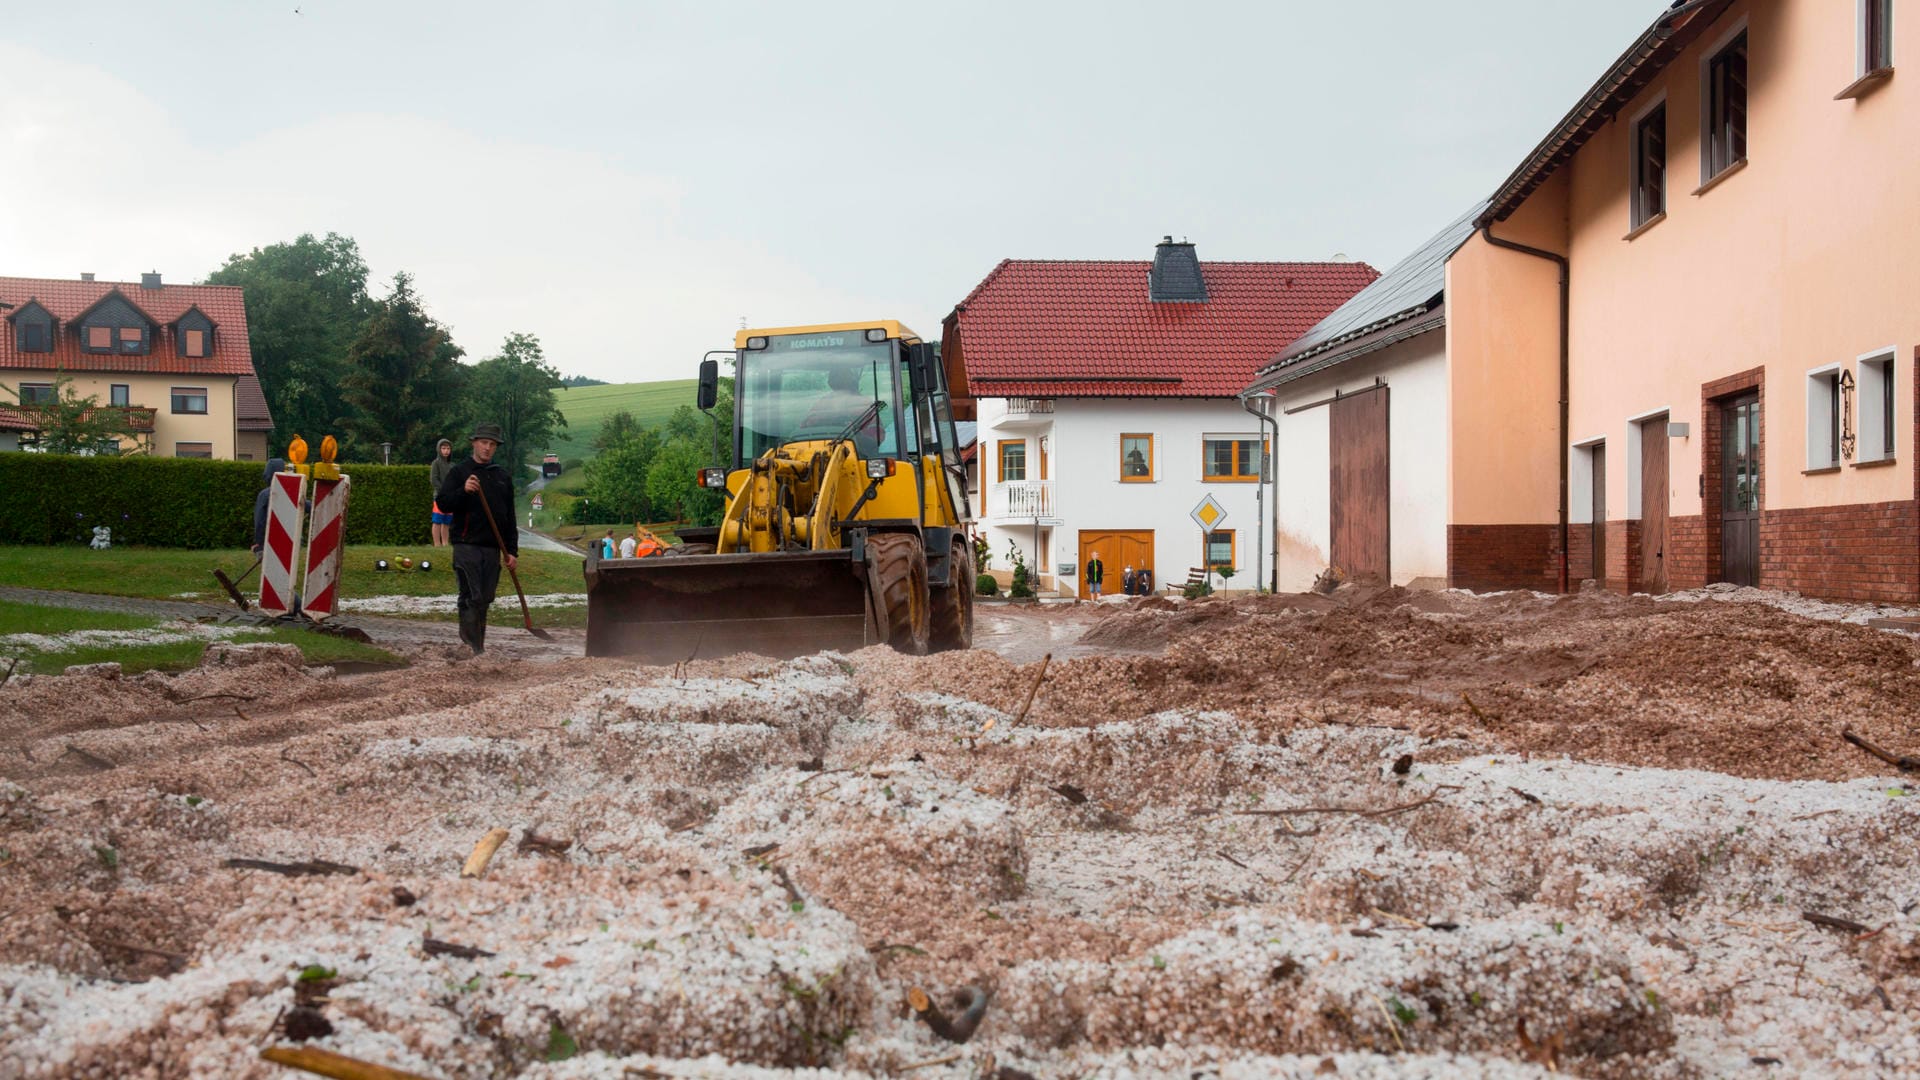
(517, 590)
(233, 587)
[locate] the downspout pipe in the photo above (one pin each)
(1486, 231)
(1272, 463)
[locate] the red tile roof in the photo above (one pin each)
(232, 355)
(1051, 328)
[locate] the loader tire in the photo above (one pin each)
(953, 605)
(897, 591)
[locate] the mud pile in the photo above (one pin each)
(1376, 834)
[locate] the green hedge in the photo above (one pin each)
(184, 502)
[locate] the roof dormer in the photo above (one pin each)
(114, 324)
(193, 333)
(33, 327)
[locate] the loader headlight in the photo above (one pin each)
(879, 468)
(755, 344)
(876, 334)
(713, 478)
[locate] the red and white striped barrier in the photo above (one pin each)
(325, 529)
(282, 547)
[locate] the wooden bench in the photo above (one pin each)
(1196, 575)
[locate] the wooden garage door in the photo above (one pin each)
(1357, 449)
(1119, 549)
(1653, 505)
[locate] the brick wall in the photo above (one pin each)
(1865, 551)
(1623, 556)
(1580, 542)
(1688, 559)
(1492, 557)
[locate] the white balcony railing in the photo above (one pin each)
(1025, 499)
(1026, 408)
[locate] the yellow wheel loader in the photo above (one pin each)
(846, 512)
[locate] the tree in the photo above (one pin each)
(516, 390)
(71, 424)
(617, 480)
(673, 486)
(403, 379)
(673, 490)
(581, 380)
(689, 423)
(306, 302)
(614, 430)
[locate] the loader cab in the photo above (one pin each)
(807, 386)
(878, 383)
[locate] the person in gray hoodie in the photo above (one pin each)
(274, 465)
(442, 465)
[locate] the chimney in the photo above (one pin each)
(1175, 277)
(150, 280)
(87, 276)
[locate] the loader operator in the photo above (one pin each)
(841, 405)
(477, 553)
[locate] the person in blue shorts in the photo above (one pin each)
(442, 465)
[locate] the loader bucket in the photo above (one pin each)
(667, 609)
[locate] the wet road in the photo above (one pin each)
(1025, 632)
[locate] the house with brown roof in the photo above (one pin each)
(1105, 395)
(175, 356)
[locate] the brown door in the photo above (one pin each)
(1358, 491)
(1653, 505)
(1119, 549)
(1600, 512)
(1740, 490)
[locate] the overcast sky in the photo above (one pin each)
(628, 181)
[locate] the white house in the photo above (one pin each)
(1361, 402)
(1105, 395)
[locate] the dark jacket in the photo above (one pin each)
(469, 522)
(441, 467)
(1096, 572)
(260, 501)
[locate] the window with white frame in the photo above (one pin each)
(1875, 36)
(1874, 404)
(1823, 418)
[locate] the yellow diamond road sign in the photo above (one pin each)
(1209, 514)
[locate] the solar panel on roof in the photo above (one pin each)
(1413, 284)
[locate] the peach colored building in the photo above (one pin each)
(1701, 366)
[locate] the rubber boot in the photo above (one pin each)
(479, 632)
(469, 635)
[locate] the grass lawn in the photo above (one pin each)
(175, 648)
(586, 407)
(170, 572)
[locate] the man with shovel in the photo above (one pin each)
(474, 491)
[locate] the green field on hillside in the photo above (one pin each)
(586, 407)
